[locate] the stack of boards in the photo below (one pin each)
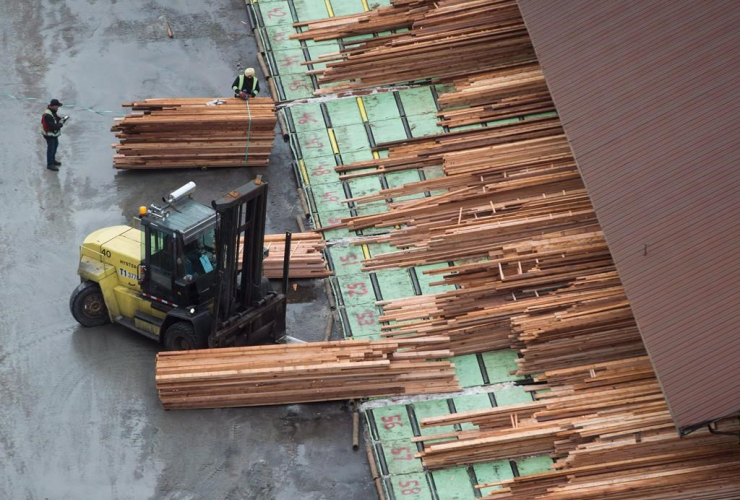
(514, 237)
(608, 428)
(190, 133)
(446, 39)
(306, 256)
(301, 373)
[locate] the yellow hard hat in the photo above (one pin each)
(249, 72)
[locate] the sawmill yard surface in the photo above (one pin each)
(473, 222)
(80, 417)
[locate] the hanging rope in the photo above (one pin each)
(249, 131)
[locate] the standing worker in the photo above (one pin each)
(246, 85)
(51, 129)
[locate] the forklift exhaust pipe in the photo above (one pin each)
(286, 262)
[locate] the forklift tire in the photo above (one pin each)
(181, 336)
(88, 306)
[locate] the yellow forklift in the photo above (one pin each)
(186, 275)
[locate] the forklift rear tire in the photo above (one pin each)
(181, 336)
(88, 306)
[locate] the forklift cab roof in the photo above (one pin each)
(186, 217)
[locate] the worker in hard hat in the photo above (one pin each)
(51, 129)
(246, 85)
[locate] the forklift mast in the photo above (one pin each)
(240, 238)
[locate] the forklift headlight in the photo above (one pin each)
(192, 310)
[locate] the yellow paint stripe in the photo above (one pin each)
(365, 251)
(361, 105)
(376, 155)
(333, 140)
(328, 8)
(304, 173)
(364, 5)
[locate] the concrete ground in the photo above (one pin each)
(79, 414)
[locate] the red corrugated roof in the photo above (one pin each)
(649, 96)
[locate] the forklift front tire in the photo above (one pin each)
(181, 336)
(88, 306)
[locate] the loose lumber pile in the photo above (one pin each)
(301, 373)
(609, 430)
(495, 95)
(542, 273)
(306, 256)
(473, 447)
(402, 14)
(447, 38)
(187, 133)
(486, 142)
(587, 322)
(530, 267)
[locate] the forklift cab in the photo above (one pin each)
(179, 253)
(200, 275)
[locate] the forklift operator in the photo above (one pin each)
(199, 258)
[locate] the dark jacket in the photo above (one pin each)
(52, 123)
(247, 86)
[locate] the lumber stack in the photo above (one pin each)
(609, 430)
(447, 38)
(306, 256)
(539, 274)
(622, 442)
(487, 419)
(495, 95)
(433, 150)
(531, 270)
(589, 321)
(481, 447)
(188, 133)
(401, 14)
(301, 373)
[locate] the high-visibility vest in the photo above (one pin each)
(50, 133)
(241, 83)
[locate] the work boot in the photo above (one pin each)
(57, 163)
(53, 167)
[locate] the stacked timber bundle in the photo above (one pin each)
(495, 95)
(302, 373)
(529, 264)
(539, 273)
(590, 321)
(306, 256)
(448, 38)
(430, 151)
(513, 198)
(488, 419)
(614, 439)
(188, 133)
(401, 14)
(606, 413)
